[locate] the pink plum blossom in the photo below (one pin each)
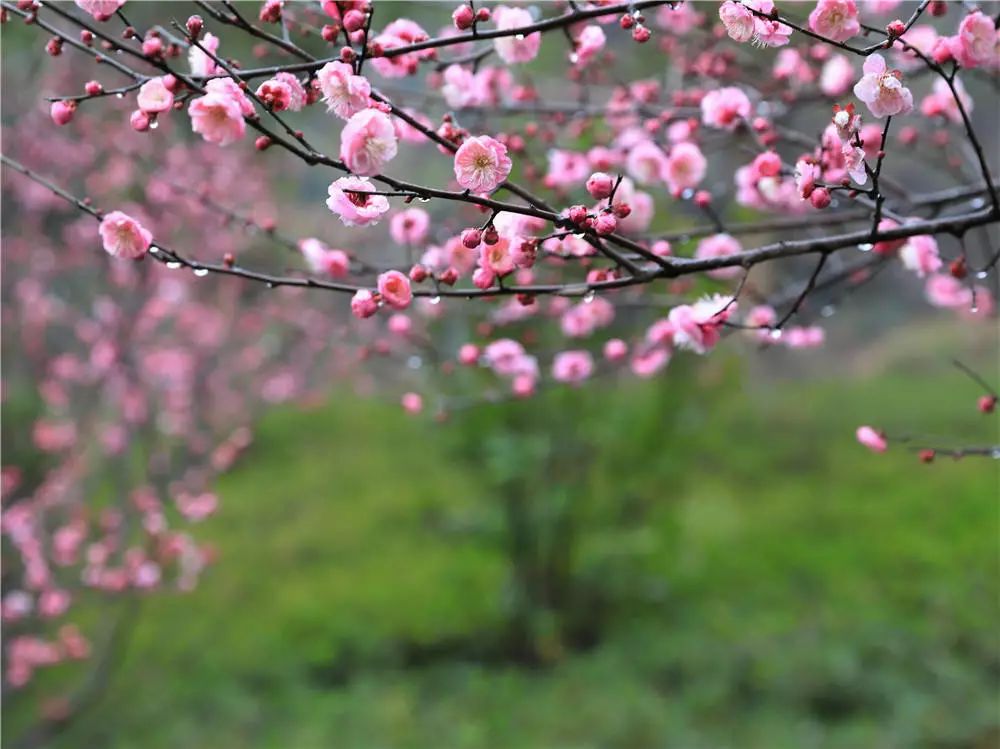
(835, 19)
(355, 208)
(589, 43)
(154, 97)
(738, 20)
(201, 64)
(725, 108)
(101, 10)
(941, 102)
(394, 287)
(572, 366)
(368, 142)
(400, 33)
(363, 304)
(482, 164)
(716, 246)
(218, 116)
(882, 89)
(836, 76)
(768, 33)
(321, 259)
(871, 438)
(646, 163)
(123, 236)
(516, 47)
(975, 44)
(697, 327)
(410, 226)
(344, 93)
(685, 167)
(412, 403)
(920, 255)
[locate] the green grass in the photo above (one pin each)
(785, 587)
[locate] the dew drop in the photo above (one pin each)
(424, 200)
(153, 125)
(828, 310)
(983, 274)
(270, 284)
(866, 247)
(974, 308)
(435, 300)
(776, 334)
(574, 58)
(687, 194)
(173, 265)
(201, 272)
(154, 250)
(120, 95)
(995, 454)
(519, 37)
(978, 203)
(414, 362)
(589, 296)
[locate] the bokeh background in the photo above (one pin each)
(707, 559)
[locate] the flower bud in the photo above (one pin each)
(62, 111)
(194, 26)
(471, 238)
(600, 185)
(354, 20)
(463, 17)
(139, 121)
(820, 198)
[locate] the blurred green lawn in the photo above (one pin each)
(793, 590)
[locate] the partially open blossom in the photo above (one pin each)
(872, 439)
(725, 108)
(738, 20)
(344, 93)
(368, 142)
(975, 44)
(202, 64)
(482, 164)
(835, 19)
(355, 208)
(572, 366)
(321, 259)
(154, 97)
(395, 289)
(516, 47)
(882, 89)
(123, 236)
(920, 255)
(363, 304)
(719, 245)
(410, 226)
(101, 10)
(600, 185)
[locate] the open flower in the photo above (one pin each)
(344, 93)
(201, 63)
(517, 47)
(154, 96)
(685, 167)
(482, 164)
(123, 236)
(835, 19)
(572, 366)
(218, 116)
(738, 21)
(920, 254)
(321, 259)
(975, 44)
(368, 142)
(101, 10)
(725, 108)
(882, 89)
(349, 201)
